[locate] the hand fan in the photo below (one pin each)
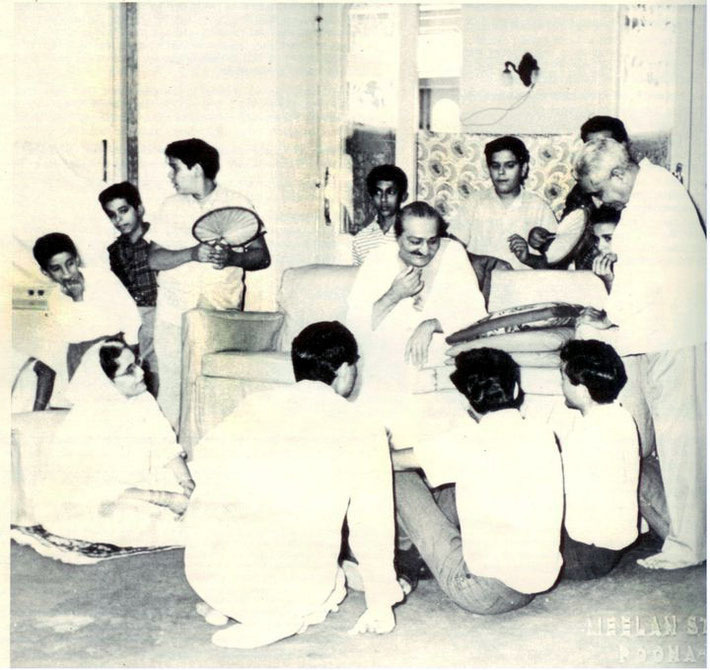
(233, 226)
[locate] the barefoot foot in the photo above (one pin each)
(245, 636)
(211, 615)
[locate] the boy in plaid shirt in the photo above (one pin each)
(128, 257)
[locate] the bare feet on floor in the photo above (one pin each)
(211, 615)
(245, 636)
(662, 561)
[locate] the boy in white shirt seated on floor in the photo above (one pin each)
(492, 542)
(274, 482)
(601, 459)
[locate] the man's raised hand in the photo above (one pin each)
(407, 283)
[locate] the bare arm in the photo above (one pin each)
(160, 258)
(176, 502)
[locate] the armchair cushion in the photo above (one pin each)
(313, 293)
(266, 366)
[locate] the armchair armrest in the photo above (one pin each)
(206, 331)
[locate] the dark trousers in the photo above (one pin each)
(586, 561)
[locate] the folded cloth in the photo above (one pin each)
(532, 340)
(515, 319)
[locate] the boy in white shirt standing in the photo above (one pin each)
(496, 545)
(601, 459)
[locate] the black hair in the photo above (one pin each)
(108, 355)
(488, 378)
(51, 244)
(507, 143)
(320, 349)
(124, 190)
(595, 365)
(604, 214)
(387, 173)
(598, 124)
(194, 151)
(422, 210)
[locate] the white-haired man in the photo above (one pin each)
(655, 317)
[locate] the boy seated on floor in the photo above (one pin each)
(492, 222)
(128, 257)
(492, 540)
(601, 460)
(387, 186)
(274, 482)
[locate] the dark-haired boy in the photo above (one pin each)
(495, 544)
(387, 186)
(192, 274)
(494, 221)
(274, 482)
(128, 257)
(601, 459)
(91, 304)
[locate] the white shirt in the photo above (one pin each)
(180, 288)
(485, 222)
(368, 238)
(274, 482)
(600, 456)
(509, 496)
(658, 295)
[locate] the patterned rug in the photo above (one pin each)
(75, 552)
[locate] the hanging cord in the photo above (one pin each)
(466, 122)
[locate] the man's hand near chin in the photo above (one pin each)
(378, 620)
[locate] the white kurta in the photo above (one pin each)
(274, 482)
(485, 222)
(109, 443)
(509, 498)
(183, 287)
(657, 301)
(450, 295)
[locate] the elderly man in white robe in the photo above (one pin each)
(655, 318)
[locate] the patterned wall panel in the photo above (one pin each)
(451, 166)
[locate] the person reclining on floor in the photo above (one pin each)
(492, 539)
(493, 221)
(600, 457)
(114, 472)
(275, 481)
(387, 186)
(91, 304)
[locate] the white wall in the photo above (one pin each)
(243, 78)
(575, 46)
